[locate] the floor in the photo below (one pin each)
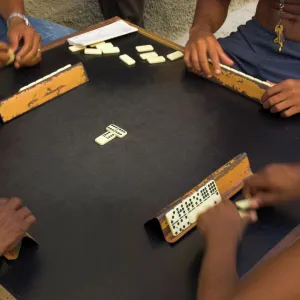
(233, 20)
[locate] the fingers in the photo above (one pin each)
(28, 38)
(277, 88)
(4, 47)
(204, 65)
(254, 183)
(291, 111)
(195, 59)
(187, 56)
(268, 198)
(276, 99)
(224, 58)
(30, 220)
(24, 212)
(15, 203)
(285, 104)
(14, 40)
(33, 56)
(214, 56)
(3, 201)
(248, 217)
(197, 53)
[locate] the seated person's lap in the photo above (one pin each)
(49, 31)
(254, 52)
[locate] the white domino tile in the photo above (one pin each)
(144, 48)
(156, 60)
(118, 131)
(127, 59)
(175, 55)
(92, 51)
(144, 56)
(182, 224)
(105, 138)
(111, 50)
(76, 48)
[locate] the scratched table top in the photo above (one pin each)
(92, 202)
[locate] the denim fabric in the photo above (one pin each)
(254, 52)
(49, 31)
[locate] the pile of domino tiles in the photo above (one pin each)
(146, 52)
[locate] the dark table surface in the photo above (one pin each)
(92, 202)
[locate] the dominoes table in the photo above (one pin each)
(92, 201)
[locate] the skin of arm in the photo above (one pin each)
(210, 15)
(8, 7)
(222, 228)
(218, 270)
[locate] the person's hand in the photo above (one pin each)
(275, 183)
(21, 35)
(3, 54)
(223, 223)
(283, 97)
(15, 220)
(201, 46)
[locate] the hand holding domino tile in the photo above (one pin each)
(223, 224)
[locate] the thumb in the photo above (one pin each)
(247, 217)
(224, 58)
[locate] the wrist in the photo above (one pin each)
(17, 18)
(16, 21)
(217, 241)
(205, 28)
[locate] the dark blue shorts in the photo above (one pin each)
(254, 52)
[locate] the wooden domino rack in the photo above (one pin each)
(229, 179)
(5, 295)
(42, 92)
(14, 253)
(239, 82)
(230, 78)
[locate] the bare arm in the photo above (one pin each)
(277, 279)
(210, 15)
(7, 7)
(218, 270)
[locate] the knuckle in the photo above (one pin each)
(285, 114)
(16, 201)
(290, 82)
(276, 108)
(270, 169)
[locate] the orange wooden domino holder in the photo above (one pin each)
(238, 82)
(5, 295)
(14, 253)
(229, 179)
(42, 92)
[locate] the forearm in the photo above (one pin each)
(7, 7)
(218, 276)
(210, 15)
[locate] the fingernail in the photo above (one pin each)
(209, 76)
(253, 216)
(218, 71)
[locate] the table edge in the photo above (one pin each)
(142, 31)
